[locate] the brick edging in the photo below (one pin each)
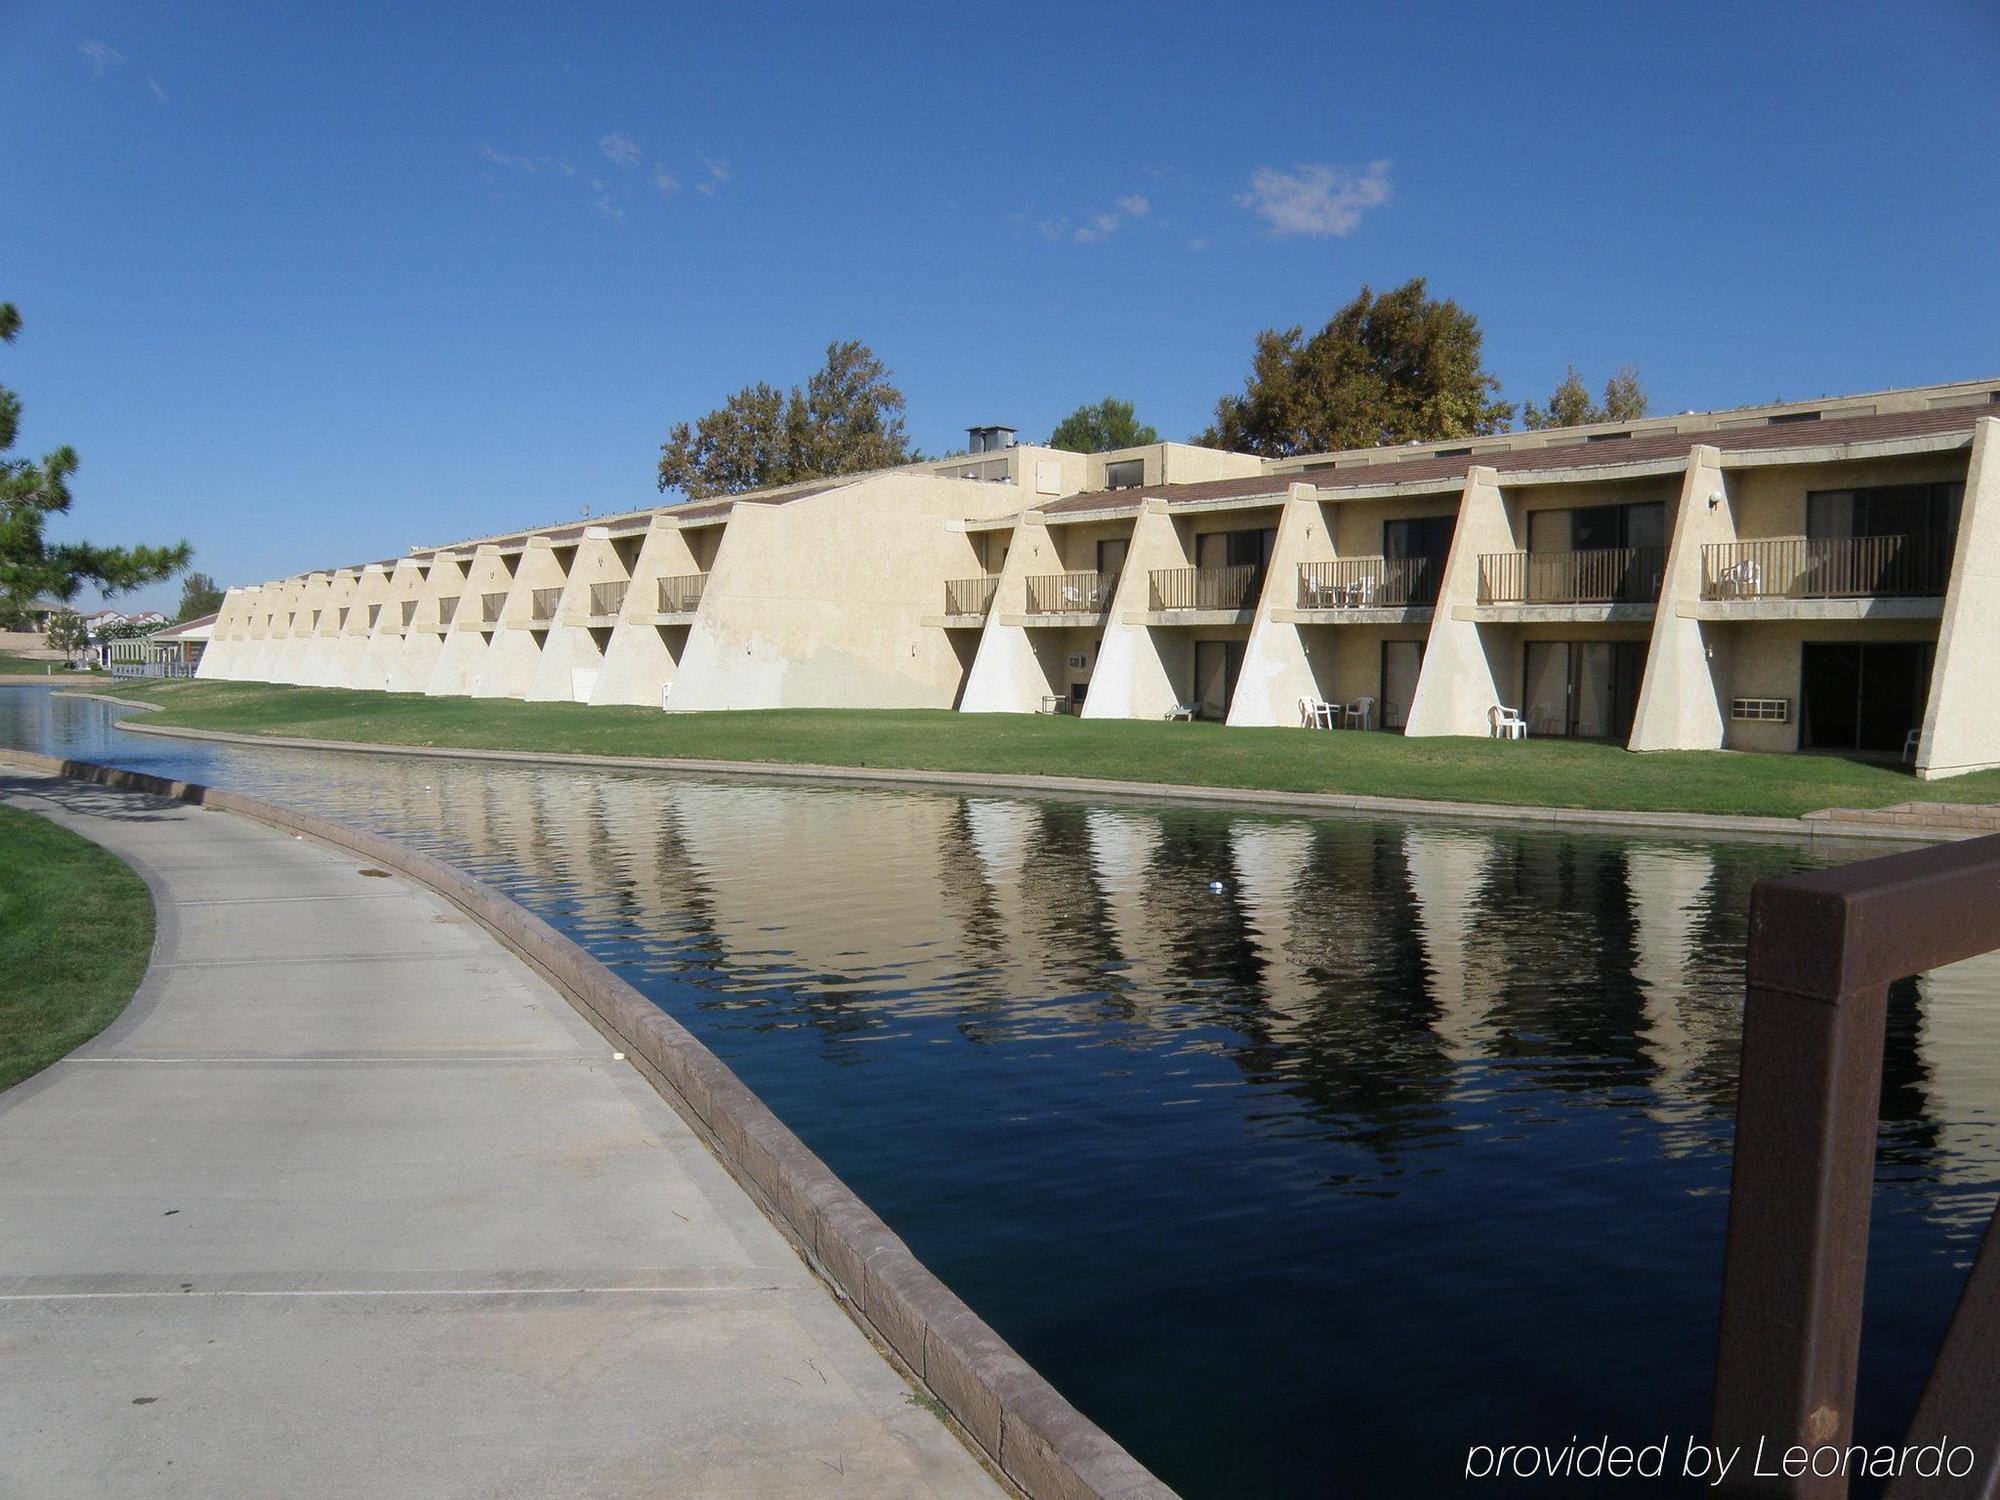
(1021, 1423)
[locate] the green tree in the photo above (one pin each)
(1399, 368)
(847, 420)
(199, 596)
(1102, 427)
(32, 492)
(68, 634)
(1570, 404)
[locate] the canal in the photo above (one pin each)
(1301, 1153)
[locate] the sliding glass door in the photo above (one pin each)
(1582, 689)
(1216, 666)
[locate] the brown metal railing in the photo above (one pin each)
(1796, 567)
(681, 595)
(609, 598)
(970, 596)
(1602, 575)
(409, 613)
(1370, 583)
(1071, 593)
(1824, 948)
(543, 603)
(490, 606)
(1207, 588)
(447, 609)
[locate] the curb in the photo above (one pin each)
(1810, 828)
(1019, 1422)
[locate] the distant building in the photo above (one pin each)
(1799, 576)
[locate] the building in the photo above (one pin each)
(1810, 575)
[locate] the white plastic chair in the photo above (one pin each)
(1183, 711)
(1360, 714)
(1507, 723)
(1910, 743)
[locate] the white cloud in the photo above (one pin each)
(1134, 206)
(1319, 201)
(665, 181)
(619, 149)
(102, 58)
(1200, 242)
(540, 162)
(718, 169)
(158, 92)
(1053, 229)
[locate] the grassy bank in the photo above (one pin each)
(1537, 773)
(76, 926)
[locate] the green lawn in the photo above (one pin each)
(76, 927)
(1539, 773)
(10, 664)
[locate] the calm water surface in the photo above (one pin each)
(1410, 1136)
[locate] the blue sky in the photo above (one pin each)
(312, 285)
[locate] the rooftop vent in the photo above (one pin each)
(988, 439)
(1781, 418)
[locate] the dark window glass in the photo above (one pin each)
(1126, 474)
(1423, 536)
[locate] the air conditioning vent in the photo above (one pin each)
(1761, 710)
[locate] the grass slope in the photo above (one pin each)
(1537, 773)
(76, 926)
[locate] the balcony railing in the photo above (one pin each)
(609, 598)
(543, 604)
(1206, 588)
(1603, 575)
(681, 595)
(409, 613)
(1797, 567)
(1071, 593)
(447, 608)
(490, 606)
(1370, 583)
(970, 596)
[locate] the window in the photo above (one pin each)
(1420, 536)
(1235, 549)
(1883, 510)
(1784, 417)
(1126, 474)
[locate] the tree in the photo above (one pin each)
(199, 596)
(32, 492)
(848, 419)
(1399, 368)
(1108, 425)
(1570, 404)
(68, 634)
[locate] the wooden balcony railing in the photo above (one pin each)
(490, 606)
(543, 604)
(681, 595)
(1603, 575)
(1370, 583)
(1796, 567)
(409, 613)
(1207, 588)
(609, 598)
(970, 596)
(447, 609)
(1071, 593)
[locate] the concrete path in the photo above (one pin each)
(350, 1202)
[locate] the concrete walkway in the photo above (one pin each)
(350, 1201)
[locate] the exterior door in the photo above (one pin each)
(1216, 665)
(1863, 696)
(1402, 661)
(1111, 557)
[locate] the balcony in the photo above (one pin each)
(1862, 567)
(1071, 593)
(970, 596)
(1370, 583)
(409, 613)
(609, 598)
(542, 605)
(447, 609)
(1603, 575)
(681, 595)
(1228, 589)
(491, 606)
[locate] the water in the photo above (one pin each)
(1408, 1137)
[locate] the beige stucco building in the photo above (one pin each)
(1798, 576)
